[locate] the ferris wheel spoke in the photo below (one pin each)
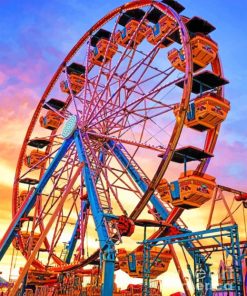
(102, 189)
(119, 179)
(151, 55)
(115, 94)
(126, 186)
(149, 79)
(125, 77)
(115, 114)
(153, 92)
(84, 92)
(87, 102)
(132, 88)
(125, 170)
(146, 56)
(80, 227)
(106, 190)
(74, 192)
(101, 69)
(159, 131)
(48, 226)
(62, 221)
(97, 136)
(126, 128)
(113, 184)
(52, 194)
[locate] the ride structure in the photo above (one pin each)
(233, 280)
(137, 103)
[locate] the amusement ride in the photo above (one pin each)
(120, 143)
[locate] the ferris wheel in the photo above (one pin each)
(136, 104)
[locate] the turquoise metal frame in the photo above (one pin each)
(232, 249)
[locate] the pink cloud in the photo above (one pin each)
(229, 164)
(3, 77)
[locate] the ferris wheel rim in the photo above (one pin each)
(57, 74)
(70, 55)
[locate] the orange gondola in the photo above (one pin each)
(34, 159)
(204, 51)
(103, 52)
(76, 76)
(51, 120)
(132, 263)
(27, 237)
(159, 31)
(191, 190)
(206, 112)
(132, 30)
(76, 83)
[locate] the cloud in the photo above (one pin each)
(228, 164)
(6, 204)
(3, 77)
(7, 175)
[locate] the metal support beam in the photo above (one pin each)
(203, 287)
(28, 204)
(45, 232)
(106, 244)
(218, 197)
(74, 237)
(179, 270)
(137, 178)
(170, 217)
(80, 220)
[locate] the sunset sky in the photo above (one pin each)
(36, 36)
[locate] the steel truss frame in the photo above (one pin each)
(108, 255)
(232, 249)
(106, 244)
(169, 215)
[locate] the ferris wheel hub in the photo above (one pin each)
(70, 126)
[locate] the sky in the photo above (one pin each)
(37, 35)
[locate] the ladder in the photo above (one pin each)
(103, 197)
(102, 194)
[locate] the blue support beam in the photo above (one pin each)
(233, 249)
(162, 211)
(108, 253)
(74, 237)
(84, 206)
(136, 177)
(23, 211)
(95, 205)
